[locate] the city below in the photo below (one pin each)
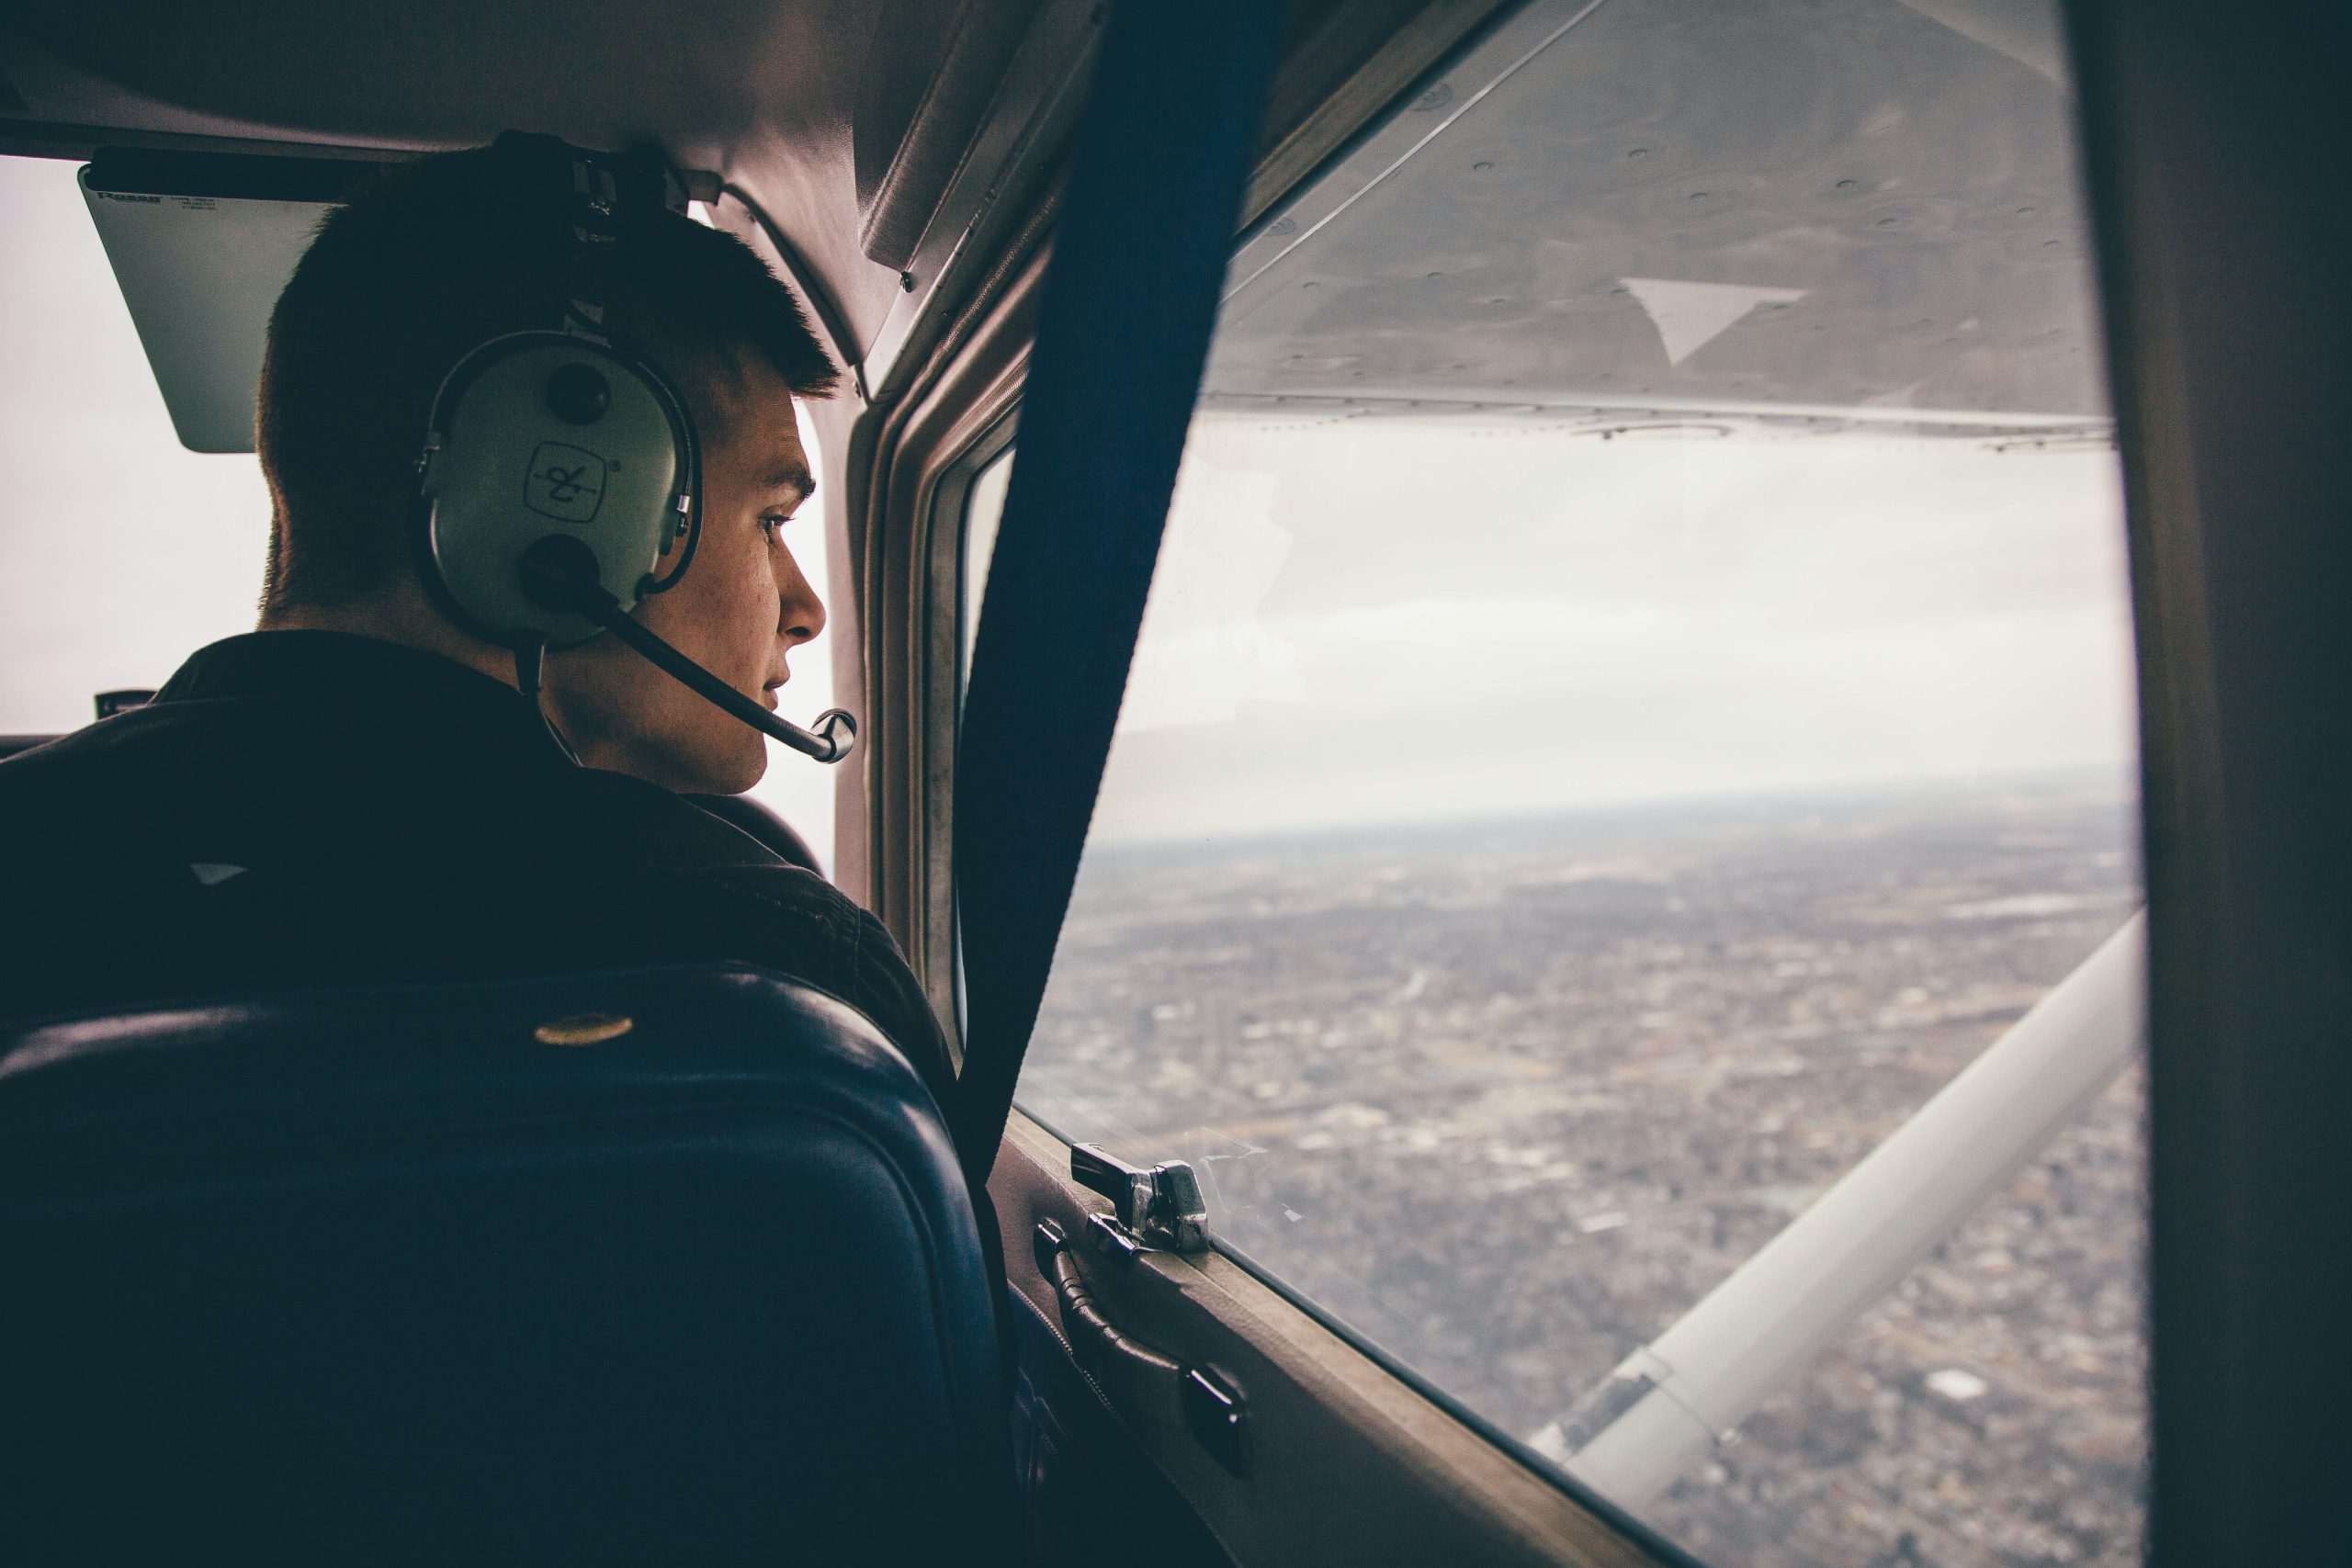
(1505, 1099)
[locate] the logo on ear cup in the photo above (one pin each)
(566, 483)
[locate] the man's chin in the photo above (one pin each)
(753, 771)
(731, 769)
(704, 764)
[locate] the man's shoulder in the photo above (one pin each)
(84, 769)
(788, 920)
(91, 744)
(667, 831)
(763, 896)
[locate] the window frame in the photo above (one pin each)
(913, 457)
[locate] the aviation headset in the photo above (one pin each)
(561, 482)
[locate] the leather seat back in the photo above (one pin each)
(444, 1272)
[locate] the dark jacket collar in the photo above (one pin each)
(387, 686)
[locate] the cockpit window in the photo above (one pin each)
(1638, 697)
(130, 550)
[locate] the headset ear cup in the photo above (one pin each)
(540, 434)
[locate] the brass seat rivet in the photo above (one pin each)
(584, 1029)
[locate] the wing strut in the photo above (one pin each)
(1668, 1404)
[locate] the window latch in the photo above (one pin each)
(1157, 1210)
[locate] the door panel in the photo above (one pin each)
(1085, 1480)
(1347, 1464)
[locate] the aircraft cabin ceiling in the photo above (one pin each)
(849, 121)
(1768, 205)
(805, 103)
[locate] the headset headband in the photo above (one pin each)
(604, 189)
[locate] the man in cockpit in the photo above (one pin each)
(357, 791)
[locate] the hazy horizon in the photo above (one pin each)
(2121, 781)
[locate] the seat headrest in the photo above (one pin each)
(673, 1260)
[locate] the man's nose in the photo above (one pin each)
(801, 614)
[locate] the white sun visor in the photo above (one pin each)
(201, 244)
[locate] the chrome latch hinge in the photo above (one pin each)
(1157, 1210)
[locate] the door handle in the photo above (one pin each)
(1160, 1208)
(1132, 1373)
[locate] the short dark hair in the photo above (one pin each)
(421, 265)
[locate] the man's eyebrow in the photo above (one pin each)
(794, 476)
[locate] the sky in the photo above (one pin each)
(132, 552)
(1362, 622)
